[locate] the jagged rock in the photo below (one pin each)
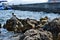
(32, 22)
(19, 25)
(13, 24)
(54, 27)
(28, 24)
(34, 34)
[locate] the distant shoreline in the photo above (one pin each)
(46, 7)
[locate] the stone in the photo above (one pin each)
(34, 34)
(19, 25)
(28, 24)
(13, 24)
(31, 34)
(32, 22)
(53, 27)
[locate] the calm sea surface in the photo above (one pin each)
(6, 14)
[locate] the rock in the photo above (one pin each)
(28, 24)
(53, 27)
(30, 38)
(46, 35)
(31, 35)
(22, 36)
(34, 34)
(13, 24)
(19, 25)
(32, 22)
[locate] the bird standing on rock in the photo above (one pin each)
(13, 16)
(17, 23)
(14, 24)
(43, 21)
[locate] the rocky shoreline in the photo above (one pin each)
(32, 29)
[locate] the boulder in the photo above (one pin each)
(19, 25)
(53, 27)
(32, 22)
(28, 24)
(34, 34)
(13, 24)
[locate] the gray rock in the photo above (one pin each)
(34, 34)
